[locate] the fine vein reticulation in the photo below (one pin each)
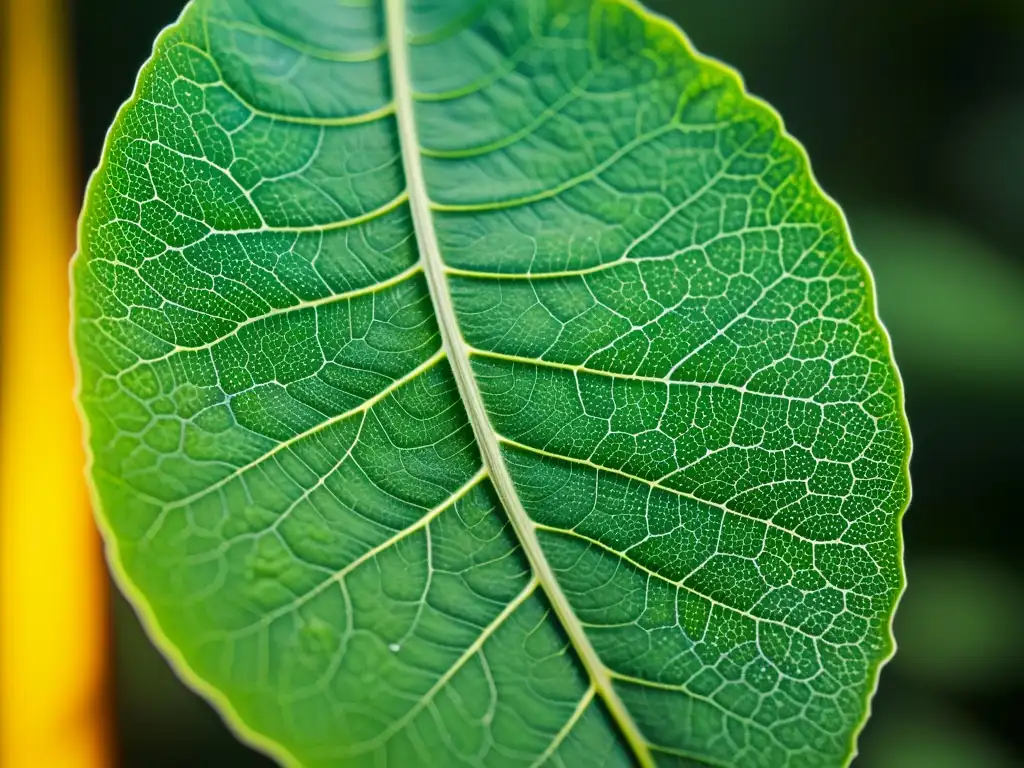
(487, 384)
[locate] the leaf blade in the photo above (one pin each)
(265, 381)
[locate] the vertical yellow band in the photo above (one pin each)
(53, 622)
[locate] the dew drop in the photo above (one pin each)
(394, 647)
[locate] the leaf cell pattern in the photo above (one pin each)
(673, 340)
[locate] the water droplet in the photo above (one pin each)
(394, 647)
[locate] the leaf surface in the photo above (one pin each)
(480, 383)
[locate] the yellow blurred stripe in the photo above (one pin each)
(53, 621)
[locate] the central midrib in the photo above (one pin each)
(458, 355)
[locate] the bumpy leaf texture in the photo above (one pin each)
(487, 383)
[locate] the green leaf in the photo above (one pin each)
(487, 384)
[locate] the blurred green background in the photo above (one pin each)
(913, 114)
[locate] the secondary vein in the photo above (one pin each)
(459, 357)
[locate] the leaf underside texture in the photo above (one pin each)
(487, 384)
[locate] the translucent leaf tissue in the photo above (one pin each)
(487, 384)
